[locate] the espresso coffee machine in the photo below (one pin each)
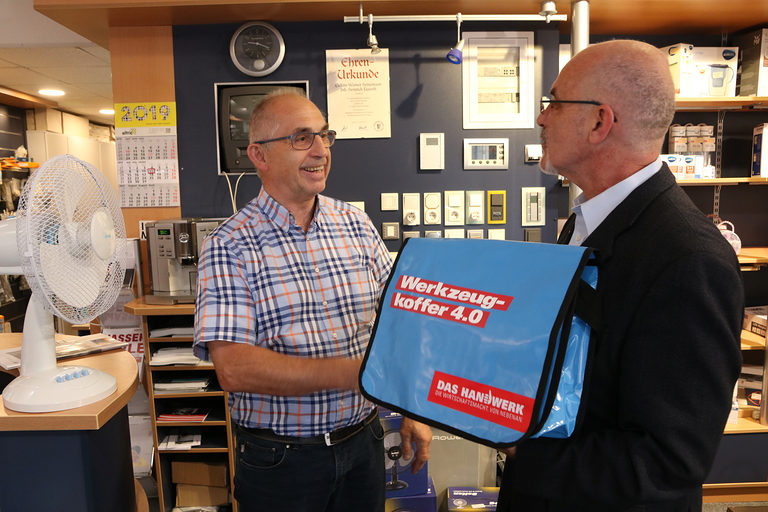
(173, 247)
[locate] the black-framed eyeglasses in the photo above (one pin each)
(545, 102)
(304, 140)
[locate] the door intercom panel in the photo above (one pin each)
(433, 206)
(475, 207)
(411, 209)
(486, 153)
(497, 207)
(454, 208)
(533, 206)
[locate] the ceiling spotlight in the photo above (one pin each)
(454, 56)
(548, 9)
(372, 42)
(107, 111)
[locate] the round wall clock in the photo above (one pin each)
(257, 48)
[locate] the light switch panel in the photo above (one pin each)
(433, 206)
(533, 206)
(497, 207)
(497, 234)
(358, 204)
(411, 209)
(454, 233)
(389, 201)
(390, 231)
(475, 207)
(454, 208)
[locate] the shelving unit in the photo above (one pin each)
(747, 427)
(217, 441)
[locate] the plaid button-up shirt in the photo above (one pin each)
(262, 280)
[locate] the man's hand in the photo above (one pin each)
(419, 433)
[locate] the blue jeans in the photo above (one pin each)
(277, 476)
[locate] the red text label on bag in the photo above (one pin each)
(485, 300)
(429, 307)
(481, 400)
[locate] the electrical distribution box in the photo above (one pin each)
(533, 206)
(454, 208)
(497, 206)
(432, 206)
(411, 209)
(475, 207)
(431, 151)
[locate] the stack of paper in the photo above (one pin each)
(190, 385)
(179, 441)
(173, 355)
(184, 414)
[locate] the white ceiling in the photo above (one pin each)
(38, 53)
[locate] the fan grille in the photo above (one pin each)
(55, 234)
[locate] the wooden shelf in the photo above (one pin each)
(753, 255)
(722, 181)
(746, 426)
(751, 341)
(140, 307)
(713, 104)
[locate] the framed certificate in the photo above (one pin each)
(497, 80)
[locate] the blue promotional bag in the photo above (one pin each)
(486, 339)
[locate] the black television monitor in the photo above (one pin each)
(234, 103)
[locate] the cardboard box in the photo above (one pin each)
(675, 164)
(460, 499)
(760, 151)
(681, 67)
(199, 473)
(200, 495)
(426, 502)
(400, 481)
(753, 63)
(48, 119)
(756, 320)
(715, 70)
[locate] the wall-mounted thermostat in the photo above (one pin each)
(486, 153)
(431, 151)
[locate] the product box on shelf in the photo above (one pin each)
(714, 72)
(188, 495)
(753, 63)
(756, 320)
(426, 502)
(454, 461)
(199, 473)
(681, 66)
(460, 499)
(675, 164)
(760, 151)
(400, 481)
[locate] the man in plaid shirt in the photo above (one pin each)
(286, 300)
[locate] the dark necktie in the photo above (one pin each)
(567, 232)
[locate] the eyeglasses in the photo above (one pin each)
(304, 140)
(545, 102)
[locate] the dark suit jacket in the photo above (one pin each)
(661, 381)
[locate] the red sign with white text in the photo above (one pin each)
(482, 401)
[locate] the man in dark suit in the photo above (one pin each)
(667, 353)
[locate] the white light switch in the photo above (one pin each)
(390, 231)
(389, 201)
(454, 208)
(412, 209)
(533, 206)
(475, 207)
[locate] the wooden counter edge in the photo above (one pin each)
(119, 363)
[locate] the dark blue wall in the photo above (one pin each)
(425, 96)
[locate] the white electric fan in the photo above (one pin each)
(394, 460)
(65, 238)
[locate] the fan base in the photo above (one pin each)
(57, 389)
